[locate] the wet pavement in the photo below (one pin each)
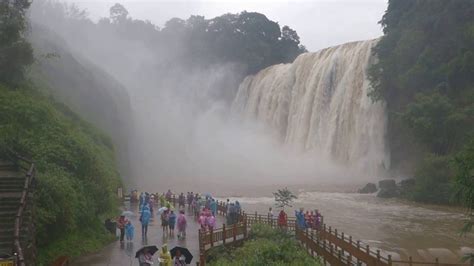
(119, 254)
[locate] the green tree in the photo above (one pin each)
(15, 52)
(284, 198)
(424, 73)
(118, 13)
(464, 162)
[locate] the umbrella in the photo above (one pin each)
(127, 213)
(162, 209)
(188, 257)
(151, 249)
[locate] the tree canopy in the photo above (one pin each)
(425, 73)
(15, 52)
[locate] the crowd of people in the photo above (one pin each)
(204, 208)
(308, 219)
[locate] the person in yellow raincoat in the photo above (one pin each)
(165, 256)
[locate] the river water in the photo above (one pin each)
(396, 227)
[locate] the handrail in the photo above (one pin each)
(333, 246)
(30, 175)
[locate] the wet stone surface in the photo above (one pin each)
(118, 254)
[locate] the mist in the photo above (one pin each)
(184, 134)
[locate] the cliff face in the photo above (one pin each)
(84, 87)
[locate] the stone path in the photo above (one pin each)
(119, 254)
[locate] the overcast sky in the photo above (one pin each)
(319, 23)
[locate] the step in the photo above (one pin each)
(5, 173)
(18, 186)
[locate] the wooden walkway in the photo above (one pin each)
(333, 247)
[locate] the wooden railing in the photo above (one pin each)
(333, 247)
(20, 246)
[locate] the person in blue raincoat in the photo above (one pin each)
(145, 219)
(213, 206)
(129, 231)
(300, 221)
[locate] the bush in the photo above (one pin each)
(265, 246)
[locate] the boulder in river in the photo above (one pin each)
(388, 189)
(369, 188)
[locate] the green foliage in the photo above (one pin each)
(433, 182)
(464, 162)
(266, 246)
(83, 241)
(77, 178)
(15, 52)
(284, 198)
(425, 74)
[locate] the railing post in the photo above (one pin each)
(378, 254)
(410, 261)
(335, 232)
(234, 232)
(223, 234)
(202, 250)
(367, 249)
(245, 225)
(212, 237)
(436, 261)
(389, 260)
(350, 240)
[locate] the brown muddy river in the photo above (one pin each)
(394, 226)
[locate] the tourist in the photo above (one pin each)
(211, 221)
(121, 225)
(230, 214)
(145, 219)
(168, 195)
(181, 200)
(300, 221)
(202, 221)
(182, 225)
(282, 220)
(129, 231)
(317, 220)
(172, 222)
(213, 206)
(165, 256)
(307, 219)
(178, 260)
(151, 202)
(270, 216)
(142, 201)
(145, 258)
(165, 220)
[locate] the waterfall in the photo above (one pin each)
(319, 104)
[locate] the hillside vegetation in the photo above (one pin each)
(77, 176)
(425, 73)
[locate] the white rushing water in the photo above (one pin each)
(319, 105)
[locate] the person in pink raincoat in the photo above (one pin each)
(211, 221)
(181, 225)
(202, 221)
